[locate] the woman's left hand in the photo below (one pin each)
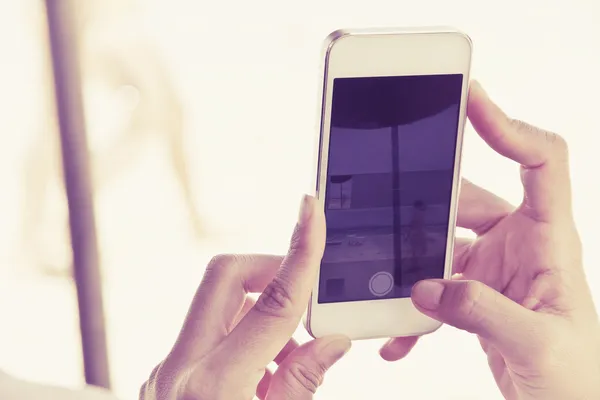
(228, 340)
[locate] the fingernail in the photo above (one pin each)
(336, 347)
(305, 209)
(428, 294)
(384, 350)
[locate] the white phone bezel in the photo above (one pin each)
(385, 52)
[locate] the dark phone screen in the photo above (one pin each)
(389, 184)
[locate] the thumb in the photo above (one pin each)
(474, 307)
(302, 372)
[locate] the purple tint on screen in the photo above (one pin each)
(389, 184)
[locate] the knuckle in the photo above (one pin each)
(222, 260)
(170, 381)
(300, 250)
(297, 244)
(198, 385)
(149, 387)
(304, 378)
(142, 393)
(558, 144)
(162, 381)
(146, 391)
(224, 265)
(276, 300)
(522, 126)
(154, 372)
(560, 141)
(468, 299)
(555, 141)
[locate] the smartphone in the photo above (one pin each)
(392, 116)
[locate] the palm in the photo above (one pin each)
(518, 256)
(501, 257)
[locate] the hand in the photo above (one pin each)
(520, 285)
(228, 340)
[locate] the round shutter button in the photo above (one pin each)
(381, 283)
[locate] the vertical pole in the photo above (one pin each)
(396, 206)
(67, 85)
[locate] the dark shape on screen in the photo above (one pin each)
(399, 102)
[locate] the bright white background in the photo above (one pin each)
(247, 74)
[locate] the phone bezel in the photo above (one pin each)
(385, 52)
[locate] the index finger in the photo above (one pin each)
(219, 298)
(268, 326)
(543, 156)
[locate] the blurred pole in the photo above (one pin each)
(67, 82)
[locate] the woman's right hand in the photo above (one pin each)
(520, 285)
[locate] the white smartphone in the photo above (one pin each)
(392, 118)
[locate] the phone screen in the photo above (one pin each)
(389, 184)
